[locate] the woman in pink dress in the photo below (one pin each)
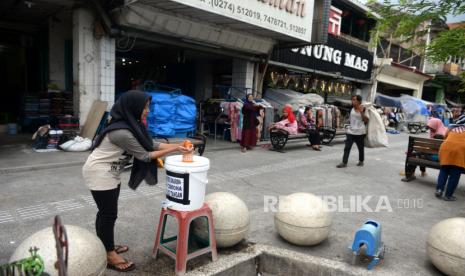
(288, 123)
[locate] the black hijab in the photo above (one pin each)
(125, 114)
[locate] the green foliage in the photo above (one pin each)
(402, 20)
(462, 83)
(448, 43)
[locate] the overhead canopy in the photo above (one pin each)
(342, 102)
(280, 97)
(286, 20)
(387, 101)
(454, 104)
(166, 27)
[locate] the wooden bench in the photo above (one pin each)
(279, 138)
(418, 151)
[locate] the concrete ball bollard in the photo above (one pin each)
(303, 219)
(446, 246)
(87, 255)
(231, 219)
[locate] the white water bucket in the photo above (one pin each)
(186, 182)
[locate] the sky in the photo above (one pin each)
(450, 18)
(453, 19)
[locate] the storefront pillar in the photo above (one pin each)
(418, 93)
(204, 83)
(93, 65)
(60, 30)
(242, 74)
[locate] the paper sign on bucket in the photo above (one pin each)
(186, 182)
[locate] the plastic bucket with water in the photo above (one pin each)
(186, 182)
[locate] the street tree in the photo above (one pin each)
(406, 21)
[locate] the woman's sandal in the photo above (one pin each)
(116, 268)
(121, 249)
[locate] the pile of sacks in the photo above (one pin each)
(48, 139)
(77, 144)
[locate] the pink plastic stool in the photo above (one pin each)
(180, 253)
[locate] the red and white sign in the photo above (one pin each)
(335, 21)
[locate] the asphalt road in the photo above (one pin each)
(30, 199)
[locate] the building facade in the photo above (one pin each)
(337, 69)
(95, 50)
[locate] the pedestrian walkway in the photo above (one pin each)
(19, 157)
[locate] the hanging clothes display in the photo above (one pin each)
(233, 109)
(239, 121)
(261, 119)
(331, 116)
(268, 118)
(233, 116)
(338, 118)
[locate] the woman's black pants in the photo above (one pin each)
(314, 137)
(107, 204)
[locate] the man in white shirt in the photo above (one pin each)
(356, 132)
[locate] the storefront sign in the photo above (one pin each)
(337, 57)
(177, 187)
(335, 21)
(290, 17)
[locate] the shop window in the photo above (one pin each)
(357, 26)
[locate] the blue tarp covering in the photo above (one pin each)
(414, 106)
(387, 101)
(171, 113)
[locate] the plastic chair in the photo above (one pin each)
(180, 252)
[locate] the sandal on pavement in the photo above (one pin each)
(121, 249)
(116, 268)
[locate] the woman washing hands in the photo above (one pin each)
(124, 137)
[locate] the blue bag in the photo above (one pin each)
(171, 113)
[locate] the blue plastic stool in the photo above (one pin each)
(368, 237)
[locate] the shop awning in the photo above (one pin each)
(147, 22)
(388, 101)
(454, 104)
(278, 98)
(255, 17)
(341, 102)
